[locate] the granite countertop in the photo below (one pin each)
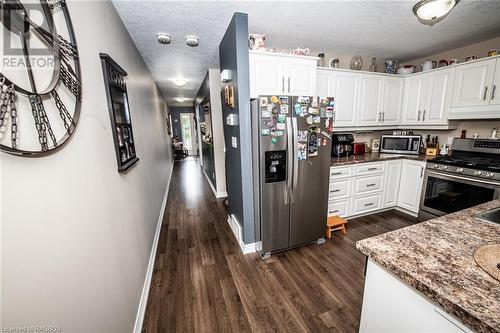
(436, 258)
(375, 157)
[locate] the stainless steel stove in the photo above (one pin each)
(468, 177)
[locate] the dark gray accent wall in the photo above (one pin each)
(233, 54)
(175, 112)
(207, 149)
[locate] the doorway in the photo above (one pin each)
(188, 131)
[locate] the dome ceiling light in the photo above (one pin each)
(179, 82)
(163, 38)
(180, 99)
(429, 12)
(192, 40)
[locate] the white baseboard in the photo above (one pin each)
(152, 256)
(218, 195)
(238, 233)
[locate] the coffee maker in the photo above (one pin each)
(342, 145)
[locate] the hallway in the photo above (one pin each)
(203, 283)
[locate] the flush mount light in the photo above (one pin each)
(192, 41)
(430, 12)
(180, 99)
(179, 82)
(163, 38)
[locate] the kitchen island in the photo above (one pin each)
(434, 260)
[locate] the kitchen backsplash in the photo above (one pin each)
(483, 128)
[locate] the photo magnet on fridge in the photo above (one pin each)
(281, 118)
(298, 109)
(302, 136)
(265, 113)
(304, 111)
(316, 119)
(314, 102)
(301, 151)
(265, 131)
(284, 99)
(263, 101)
(284, 108)
(304, 100)
(312, 110)
(280, 126)
(274, 99)
(322, 112)
(309, 120)
(312, 145)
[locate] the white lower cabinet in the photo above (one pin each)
(389, 305)
(410, 187)
(367, 187)
(391, 182)
(365, 204)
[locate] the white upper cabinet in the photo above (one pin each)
(370, 99)
(280, 74)
(323, 84)
(473, 83)
(392, 100)
(495, 88)
(343, 86)
(413, 99)
(437, 97)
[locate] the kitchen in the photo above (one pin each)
(346, 116)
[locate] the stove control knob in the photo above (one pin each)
(490, 175)
(478, 173)
(445, 167)
(460, 170)
(436, 166)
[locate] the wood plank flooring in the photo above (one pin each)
(202, 282)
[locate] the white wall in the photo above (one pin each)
(76, 235)
(218, 131)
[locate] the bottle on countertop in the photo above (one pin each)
(463, 134)
(494, 133)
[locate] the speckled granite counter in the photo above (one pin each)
(436, 258)
(375, 157)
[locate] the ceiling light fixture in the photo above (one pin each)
(179, 82)
(192, 40)
(180, 99)
(430, 12)
(163, 38)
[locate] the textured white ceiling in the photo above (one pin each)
(381, 29)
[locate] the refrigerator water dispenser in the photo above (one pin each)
(275, 166)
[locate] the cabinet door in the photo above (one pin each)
(322, 84)
(414, 95)
(495, 89)
(437, 97)
(267, 75)
(391, 183)
(473, 83)
(410, 188)
(370, 95)
(344, 88)
(301, 78)
(392, 101)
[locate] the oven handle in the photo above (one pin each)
(492, 182)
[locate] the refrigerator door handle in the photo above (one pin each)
(295, 160)
(289, 162)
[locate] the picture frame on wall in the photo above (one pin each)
(119, 113)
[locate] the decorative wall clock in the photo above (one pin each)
(40, 78)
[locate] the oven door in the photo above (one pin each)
(444, 193)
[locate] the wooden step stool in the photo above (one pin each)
(335, 223)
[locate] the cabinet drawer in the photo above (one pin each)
(338, 208)
(366, 204)
(340, 172)
(368, 168)
(339, 189)
(365, 185)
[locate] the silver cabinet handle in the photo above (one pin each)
(369, 185)
(333, 211)
(493, 92)
(295, 159)
(421, 172)
(418, 118)
(336, 173)
(290, 156)
(379, 117)
(485, 92)
(383, 116)
(423, 116)
(371, 169)
(369, 204)
(288, 84)
(283, 83)
(334, 191)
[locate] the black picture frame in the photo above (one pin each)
(119, 113)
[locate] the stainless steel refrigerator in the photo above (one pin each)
(291, 156)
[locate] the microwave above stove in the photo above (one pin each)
(400, 144)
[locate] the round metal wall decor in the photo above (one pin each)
(40, 78)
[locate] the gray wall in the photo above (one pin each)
(76, 234)
(207, 149)
(233, 54)
(175, 112)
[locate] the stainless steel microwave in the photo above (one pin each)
(400, 144)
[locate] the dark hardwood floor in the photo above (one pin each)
(202, 282)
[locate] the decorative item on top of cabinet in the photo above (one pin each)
(390, 66)
(119, 113)
(321, 60)
(256, 42)
(302, 52)
(54, 101)
(356, 63)
(373, 65)
(334, 63)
